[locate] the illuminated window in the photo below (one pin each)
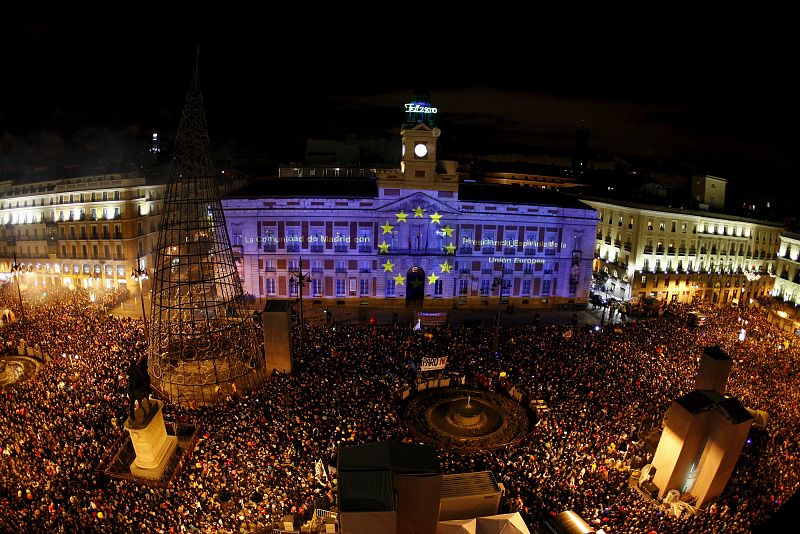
(341, 287)
(463, 287)
(390, 287)
(437, 288)
(546, 287)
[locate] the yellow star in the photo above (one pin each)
(445, 267)
(387, 228)
(388, 266)
(435, 218)
(383, 248)
(432, 278)
(450, 248)
(399, 280)
(401, 217)
(448, 231)
(418, 212)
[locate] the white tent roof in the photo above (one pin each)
(502, 524)
(457, 526)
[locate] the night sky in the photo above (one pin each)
(671, 102)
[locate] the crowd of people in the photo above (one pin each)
(258, 454)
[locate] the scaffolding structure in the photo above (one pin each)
(202, 345)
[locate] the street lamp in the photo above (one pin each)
(299, 280)
(139, 274)
(499, 281)
(16, 268)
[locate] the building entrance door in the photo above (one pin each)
(415, 290)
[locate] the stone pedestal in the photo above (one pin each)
(150, 440)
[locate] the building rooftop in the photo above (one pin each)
(703, 400)
(392, 455)
(513, 194)
(682, 211)
(461, 484)
(308, 188)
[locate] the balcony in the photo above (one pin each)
(465, 270)
(365, 248)
(270, 269)
(627, 247)
(317, 249)
(528, 269)
(509, 251)
(364, 270)
(340, 248)
(293, 247)
(530, 251)
(117, 235)
(270, 247)
(617, 243)
(692, 251)
(659, 250)
(465, 250)
(607, 240)
(487, 250)
(341, 269)
(702, 250)
(486, 270)
(508, 270)
(670, 251)
(316, 269)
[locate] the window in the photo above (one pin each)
(270, 286)
(546, 287)
(341, 266)
(437, 288)
(270, 266)
(364, 266)
(644, 281)
(526, 287)
(390, 287)
(316, 287)
(619, 222)
(650, 225)
(661, 227)
(673, 226)
(341, 287)
(683, 228)
(630, 223)
(463, 287)
(486, 287)
(294, 265)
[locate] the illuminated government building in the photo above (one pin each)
(417, 234)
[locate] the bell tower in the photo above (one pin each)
(419, 135)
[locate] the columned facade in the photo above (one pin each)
(682, 255)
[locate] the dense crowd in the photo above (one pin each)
(256, 457)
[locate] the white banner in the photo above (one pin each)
(432, 364)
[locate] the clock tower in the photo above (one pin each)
(419, 135)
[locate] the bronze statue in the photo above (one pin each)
(138, 386)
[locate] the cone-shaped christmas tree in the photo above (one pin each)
(202, 340)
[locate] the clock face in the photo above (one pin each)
(420, 150)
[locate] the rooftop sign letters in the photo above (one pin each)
(414, 107)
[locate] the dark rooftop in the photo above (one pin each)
(397, 457)
(514, 194)
(366, 491)
(309, 188)
(699, 400)
(716, 353)
(735, 411)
